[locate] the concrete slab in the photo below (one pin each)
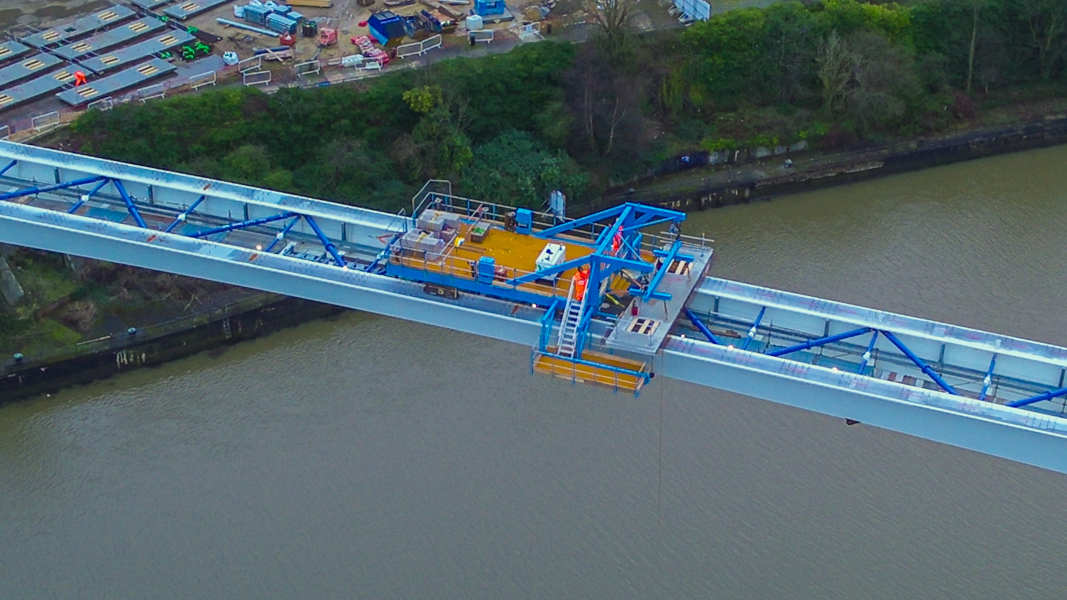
(23, 70)
(11, 50)
(130, 54)
(79, 27)
(191, 8)
(118, 82)
(109, 39)
(35, 88)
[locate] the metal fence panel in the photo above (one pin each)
(199, 81)
(5, 132)
(250, 64)
(409, 50)
(308, 68)
(485, 36)
(257, 78)
(101, 105)
(430, 43)
(152, 91)
(46, 122)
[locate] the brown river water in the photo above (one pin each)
(365, 457)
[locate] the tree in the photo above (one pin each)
(517, 170)
(614, 19)
(1046, 22)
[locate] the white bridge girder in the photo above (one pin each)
(1029, 436)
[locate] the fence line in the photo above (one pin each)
(485, 36)
(199, 81)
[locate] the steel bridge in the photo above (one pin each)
(990, 393)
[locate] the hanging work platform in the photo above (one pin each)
(613, 282)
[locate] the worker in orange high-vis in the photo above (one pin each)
(616, 242)
(79, 78)
(581, 280)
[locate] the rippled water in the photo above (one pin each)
(371, 458)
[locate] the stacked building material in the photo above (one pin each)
(280, 23)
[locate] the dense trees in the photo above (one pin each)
(512, 127)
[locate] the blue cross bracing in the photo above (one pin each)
(991, 393)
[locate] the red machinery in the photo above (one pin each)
(327, 37)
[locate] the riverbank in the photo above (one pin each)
(740, 179)
(84, 362)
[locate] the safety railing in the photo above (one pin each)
(587, 372)
(252, 63)
(46, 122)
(103, 104)
(311, 67)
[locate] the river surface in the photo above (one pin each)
(365, 457)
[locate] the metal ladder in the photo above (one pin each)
(567, 343)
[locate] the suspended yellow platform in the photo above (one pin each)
(605, 370)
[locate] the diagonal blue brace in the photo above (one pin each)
(8, 167)
(867, 354)
(51, 188)
(185, 214)
(701, 326)
(326, 242)
(281, 234)
(755, 326)
(820, 341)
(919, 363)
(243, 225)
(86, 197)
(129, 203)
(658, 276)
(988, 380)
(1038, 398)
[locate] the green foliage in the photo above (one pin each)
(515, 169)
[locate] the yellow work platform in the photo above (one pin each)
(602, 376)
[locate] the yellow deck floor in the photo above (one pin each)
(515, 253)
(564, 369)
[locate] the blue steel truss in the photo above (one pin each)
(132, 204)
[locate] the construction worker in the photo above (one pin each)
(581, 280)
(616, 242)
(79, 78)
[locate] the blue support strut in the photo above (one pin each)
(86, 197)
(326, 242)
(657, 277)
(988, 380)
(8, 167)
(50, 188)
(919, 363)
(185, 214)
(755, 327)
(701, 326)
(129, 204)
(820, 341)
(281, 234)
(867, 354)
(1038, 398)
(242, 225)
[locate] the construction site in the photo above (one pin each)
(56, 61)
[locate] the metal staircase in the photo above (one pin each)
(567, 342)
